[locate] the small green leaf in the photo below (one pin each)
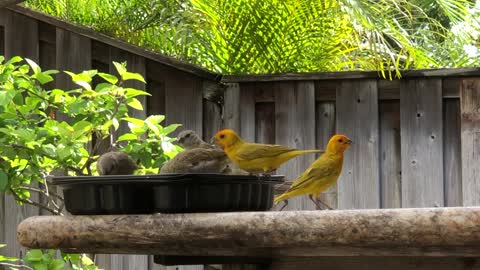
(115, 123)
(35, 68)
(155, 119)
(34, 255)
(134, 121)
(133, 76)
(84, 84)
(13, 60)
(8, 259)
(56, 264)
(39, 266)
(108, 77)
(127, 137)
(120, 68)
(131, 92)
(136, 104)
(43, 78)
(170, 128)
(3, 181)
(153, 128)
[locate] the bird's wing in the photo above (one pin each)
(254, 151)
(313, 173)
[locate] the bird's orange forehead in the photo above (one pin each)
(340, 136)
(224, 132)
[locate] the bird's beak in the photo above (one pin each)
(213, 140)
(349, 142)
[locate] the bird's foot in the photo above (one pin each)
(285, 205)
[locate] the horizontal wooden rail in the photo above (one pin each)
(379, 232)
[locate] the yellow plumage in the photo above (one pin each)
(322, 173)
(255, 157)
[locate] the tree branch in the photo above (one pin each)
(50, 193)
(16, 265)
(28, 201)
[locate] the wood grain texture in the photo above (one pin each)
(247, 112)
(191, 69)
(183, 99)
(294, 127)
(357, 117)
(452, 157)
(21, 38)
(265, 122)
(378, 232)
(422, 143)
(232, 106)
(390, 159)
(73, 54)
(377, 263)
(470, 140)
(325, 128)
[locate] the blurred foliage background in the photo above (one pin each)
(255, 36)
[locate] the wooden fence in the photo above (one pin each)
(416, 140)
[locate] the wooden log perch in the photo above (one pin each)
(380, 232)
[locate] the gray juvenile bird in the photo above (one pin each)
(188, 139)
(197, 160)
(198, 157)
(115, 163)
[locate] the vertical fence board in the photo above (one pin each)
(452, 165)
(294, 126)
(247, 112)
(325, 128)
(357, 117)
(212, 108)
(265, 122)
(422, 143)
(390, 161)
(73, 54)
(232, 106)
(21, 38)
(470, 138)
(135, 64)
(183, 99)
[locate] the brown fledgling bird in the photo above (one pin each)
(116, 163)
(198, 157)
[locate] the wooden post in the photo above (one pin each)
(470, 133)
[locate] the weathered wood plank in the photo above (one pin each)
(232, 106)
(357, 117)
(422, 143)
(441, 231)
(73, 54)
(350, 75)
(470, 139)
(325, 128)
(7, 3)
(247, 112)
(376, 263)
(21, 38)
(265, 122)
(452, 163)
(390, 161)
(183, 99)
(94, 35)
(294, 126)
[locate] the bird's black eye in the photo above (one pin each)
(340, 140)
(222, 136)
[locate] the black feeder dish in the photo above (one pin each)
(166, 193)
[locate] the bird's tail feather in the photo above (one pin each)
(281, 197)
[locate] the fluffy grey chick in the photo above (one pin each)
(188, 139)
(197, 160)
(115, 163)
(198, 157)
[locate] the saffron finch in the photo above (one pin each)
(198, 157)
(255, 157)
(321, 174)
(115, 163)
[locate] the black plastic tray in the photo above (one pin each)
(166, 193)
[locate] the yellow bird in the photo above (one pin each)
(321, 174)
(255, 157)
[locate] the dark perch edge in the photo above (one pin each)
(379, 232)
